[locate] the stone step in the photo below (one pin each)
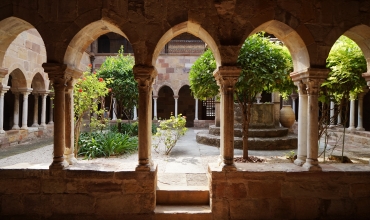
(183, 212)
(253, 132)
(276, 143)
(182, 195)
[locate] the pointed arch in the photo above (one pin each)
(192, 28)
(361, 36)
(291, 39)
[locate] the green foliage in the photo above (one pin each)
(169, 132)
(88, 93)
(124, 87)
(98, 144)
(131, 129)
(347, 63)
(202, 83)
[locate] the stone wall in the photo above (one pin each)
(34, 193)
(285, 191)
(14, 137)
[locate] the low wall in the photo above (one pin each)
(14, 137)
(99, 193)
(203, 123)
(286, 191)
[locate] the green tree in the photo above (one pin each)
(124, 87)
(265, 67)
(88, 93)
(346, 63)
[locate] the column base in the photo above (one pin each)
(228, 167)
(15, 127)
(70, 159)
(360, 129)
(2, 132)
(24, 128)
(351, 129)
(58, 165)
(50, 123)
(143, 168)
(312, 165)
(36, 125)
(300, 161)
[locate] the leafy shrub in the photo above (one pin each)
(169, 132)
(131, 129)
(97, 144)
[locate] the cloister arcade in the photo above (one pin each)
(307, 28)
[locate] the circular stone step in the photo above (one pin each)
(265, 132)
(254, 143)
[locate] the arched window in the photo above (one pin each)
(103, 44)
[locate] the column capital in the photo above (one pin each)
(302, 89)
(313, 85)
(57, 74)
(227, 76)
(144, 75)
(312, 73)
(3, 72)
(367, 78)
(155, 97)
(175, 96)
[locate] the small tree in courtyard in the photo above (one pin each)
(87, 94)
(124, 86)
(265, 67)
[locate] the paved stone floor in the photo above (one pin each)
(185, 166)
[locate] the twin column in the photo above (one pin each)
(308, 83)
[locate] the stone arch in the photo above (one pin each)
(186, 104)
(192, 28)
(10, 28)
(165, 102)
(18, 79)
(159, 87)
(291, 38)
(84, 38)
(361, 36)
(38, 83)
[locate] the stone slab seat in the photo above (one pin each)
(182, 195)
(253, 132)
(183, 212)
(254, 143)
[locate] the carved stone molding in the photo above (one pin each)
(57, 74)
(313, 85)
(144, 75)
(302, 89)
(312, 73)
(3, 72)
(227, 76)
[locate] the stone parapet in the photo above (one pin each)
(287, 191)
(14, 137)
(33, 192)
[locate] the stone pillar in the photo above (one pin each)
(114, 109)
(155, 108)
(360, 111)
(36, 111)
(332, 110)
(227, 77)
(2, 93)
(59, 78)
(25, 110)
(302, 124)
(176, 104)
(145, 75)
(43, 111)
(135, 113)
(339, 119)
(293, 96)
(196, 109)
(16, 111)
(69, 125)
(312, 78)
(352, 113)
(51, 111)
(275, 98)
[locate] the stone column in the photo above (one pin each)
(332, 110)
(275, 98)
(25, 110)
(69, 125)
(114, 109)
(155, 108)
(352, 113)
(2, 93)
(227, 77)
(196, 109)
(36, 111)
(293, 96)
(360, 111)
(145, 75)
(16, 111)
(59, 78)
(312, 78)
(302, 124)
(176, 104)
(339, 119)
(135, 113)
(43, 110)
(51, 111)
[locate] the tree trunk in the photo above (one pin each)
(246, 109)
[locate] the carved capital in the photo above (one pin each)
(57, 74)
(313, 85)
(144, 75)
(302, 90)
(227, 76)
(3, 72)
(312, 73)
